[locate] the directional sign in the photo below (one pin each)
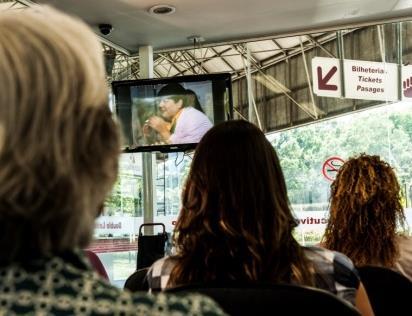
(323, 80)
(331, 167)
(326, 77)
(366, 80)
(406, 83)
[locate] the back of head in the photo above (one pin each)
(235, 222)
(58, 142)
(365, 211)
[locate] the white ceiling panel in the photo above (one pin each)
(220, 21)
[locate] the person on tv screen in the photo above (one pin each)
(181, 117)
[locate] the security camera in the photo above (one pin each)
(105, 29)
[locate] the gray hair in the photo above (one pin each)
(59, 145)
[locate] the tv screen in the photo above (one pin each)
(171, 114)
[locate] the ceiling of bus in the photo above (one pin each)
(222, 21)
(269, 39)
(134, 26)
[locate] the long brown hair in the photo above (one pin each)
(365, 211)
(236, 223)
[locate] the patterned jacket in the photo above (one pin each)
(66, 285)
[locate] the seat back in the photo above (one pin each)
(279, 299)
(388, 290)
(137, 281)
(151, 247)
(97, 264)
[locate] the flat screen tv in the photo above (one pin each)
(171, 114)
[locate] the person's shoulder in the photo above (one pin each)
(194, 112)
(317, 253)
(405, 248)
(190, 109)
(403, 263)
(162, 266)
(404, 241)
(335, 264)
(111, 300)
(159, 273)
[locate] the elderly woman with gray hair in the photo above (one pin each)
(59, 148)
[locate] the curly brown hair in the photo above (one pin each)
(365, 211)
(236, 223)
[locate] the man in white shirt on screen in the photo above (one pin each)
(182, 119)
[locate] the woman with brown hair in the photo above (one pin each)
(366, 215)
(236, 223)
(59, 150)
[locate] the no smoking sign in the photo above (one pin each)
(331, 167)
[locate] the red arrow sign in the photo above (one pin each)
(323, 82)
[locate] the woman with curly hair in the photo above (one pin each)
(236, 223)
(366, 214)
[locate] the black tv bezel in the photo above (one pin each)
(155, 81)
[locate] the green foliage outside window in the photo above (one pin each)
(383, 131)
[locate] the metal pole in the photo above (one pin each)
(315, 112)
(146, 71)
(399, 46)
(341, 56)
(249, 86)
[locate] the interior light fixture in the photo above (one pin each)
(162, 9)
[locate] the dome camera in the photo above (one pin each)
(105, 29)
